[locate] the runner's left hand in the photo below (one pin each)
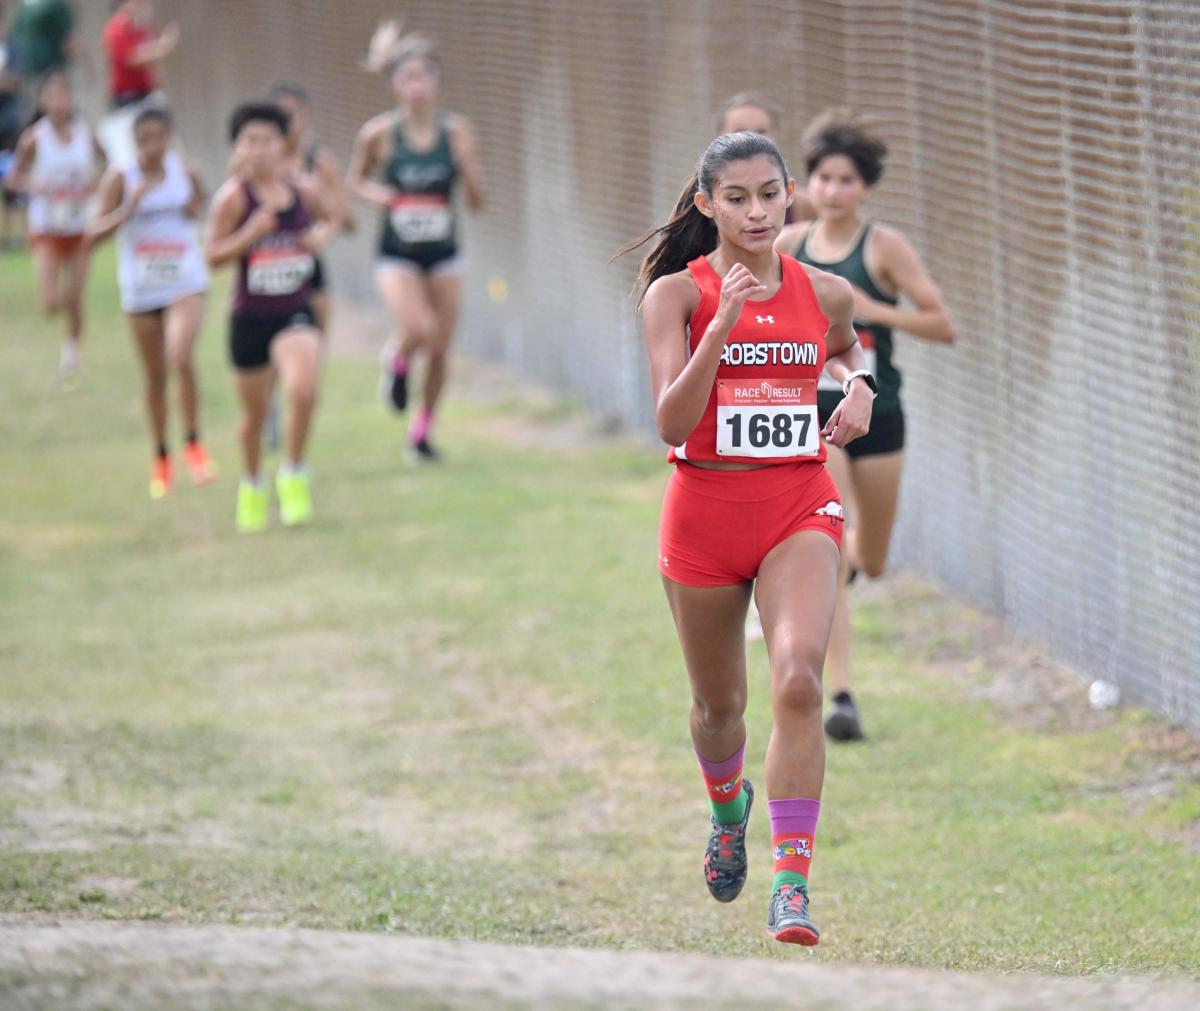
(851, 418)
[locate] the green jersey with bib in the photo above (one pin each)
(876, 340)
(421, 223)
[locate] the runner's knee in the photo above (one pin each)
(715, 713)
(797, 683)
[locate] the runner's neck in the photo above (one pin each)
(766, 266)
(838, 233)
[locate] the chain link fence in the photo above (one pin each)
(1044, 160)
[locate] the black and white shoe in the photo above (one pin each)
(423, 451)
(393, 385)
(787, 917)
(842, 723)
(725, 863)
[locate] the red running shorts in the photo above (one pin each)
(717, 526)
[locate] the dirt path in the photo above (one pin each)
(138, 967)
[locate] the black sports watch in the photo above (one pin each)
(866, 378)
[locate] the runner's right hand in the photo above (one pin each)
(738, 285)
(262, 222)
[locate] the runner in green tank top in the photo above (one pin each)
(407, 162)
(844, 160)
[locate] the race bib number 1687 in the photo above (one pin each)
(768, 418)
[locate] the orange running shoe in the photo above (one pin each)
(202, 466)
(160, 477)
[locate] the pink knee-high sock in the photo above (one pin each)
(422, 425)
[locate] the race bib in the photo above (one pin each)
(767, 418)
(278, 271)
(66, 215)
(159, 264)
(866, 340)
(419, 217)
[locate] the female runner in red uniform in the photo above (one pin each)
(737, 337)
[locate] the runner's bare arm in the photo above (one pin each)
(465, 149)
(843, 354)
(195, 206)
(330, 174)
(17, 179)
(99, 157)
(226, 241)
(367, 153)
(156, 49)
(683, 385)
(852, 417)
(901, 266)
(109, 214)
(328, 220)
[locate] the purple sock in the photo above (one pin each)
(793, 829)
(421, 425)
(718, 771)
(723, 781)
(399, 365)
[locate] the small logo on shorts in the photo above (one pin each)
(665, 561)
(832, 509)
(300, 319)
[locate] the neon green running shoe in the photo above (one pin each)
(252, 505)
(295, 498)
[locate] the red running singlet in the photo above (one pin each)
(763, 404)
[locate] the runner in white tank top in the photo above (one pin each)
(152, 204)
(57, 163)
(62, 178)
(159, 260)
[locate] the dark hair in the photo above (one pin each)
(688, 233)
(755, 99)
(154, 114)
(258, 112)
(289, 89)
(844, 132)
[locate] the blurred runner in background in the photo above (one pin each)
(12, 121)
(152, 203)
(134, 48)
(57, 164)
(273, 229)
(317, 166)
(408, 162)
(843, 160)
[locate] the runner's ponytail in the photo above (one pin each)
(686, 235)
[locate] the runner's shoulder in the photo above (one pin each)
(790, 237)
(231, 193)
(378, 126)
(834, 293)
(676, 290)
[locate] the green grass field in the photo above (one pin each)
(455, 707)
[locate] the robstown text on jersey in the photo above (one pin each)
(771, 353)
